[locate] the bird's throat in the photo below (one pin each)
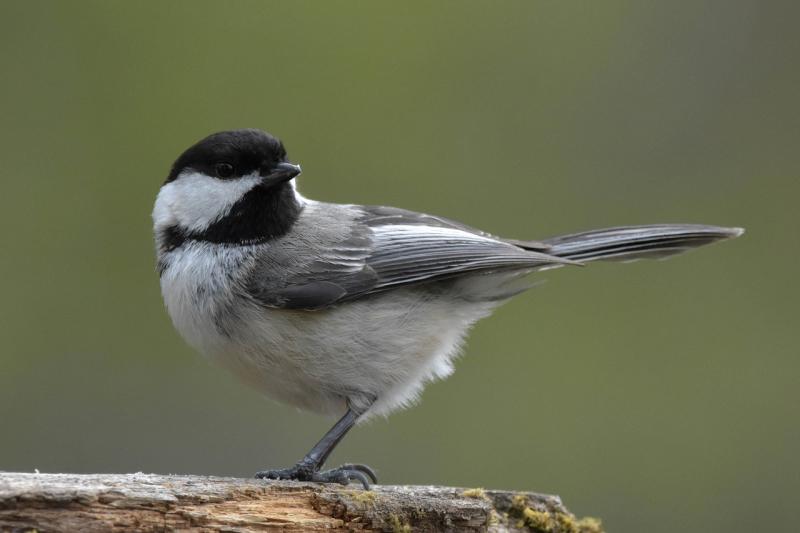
(261, 215)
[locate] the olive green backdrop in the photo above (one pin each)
(660, 396)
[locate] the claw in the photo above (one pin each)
(357, 475)
(361, 468)
(342, 475)
(332, 476)
(296, 473)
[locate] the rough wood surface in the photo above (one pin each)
(146, 502)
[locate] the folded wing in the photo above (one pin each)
(387, 248)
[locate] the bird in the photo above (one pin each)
(342, 309)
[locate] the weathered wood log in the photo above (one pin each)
(146, 502)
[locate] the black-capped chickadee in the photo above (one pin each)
(342, 308)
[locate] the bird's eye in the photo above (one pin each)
(224, 170)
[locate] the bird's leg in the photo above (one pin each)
(308, 468)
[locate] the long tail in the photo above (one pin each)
(629, 243)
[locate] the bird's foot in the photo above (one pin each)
(342, 475)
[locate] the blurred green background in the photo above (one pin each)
(659, 396)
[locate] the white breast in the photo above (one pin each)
(199, 291)
(387, 346)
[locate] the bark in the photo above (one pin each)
(146, 502)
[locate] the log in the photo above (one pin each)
(148, 502)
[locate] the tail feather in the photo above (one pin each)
(630, 243)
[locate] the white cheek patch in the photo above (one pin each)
(194, 200)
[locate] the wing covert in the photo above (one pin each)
(383, 248)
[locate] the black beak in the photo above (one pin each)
(280, 173)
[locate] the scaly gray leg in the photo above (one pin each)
(308, 468)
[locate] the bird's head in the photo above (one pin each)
(231, 187)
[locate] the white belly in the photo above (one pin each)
(387, 346)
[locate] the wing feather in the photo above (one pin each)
(386, 248)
